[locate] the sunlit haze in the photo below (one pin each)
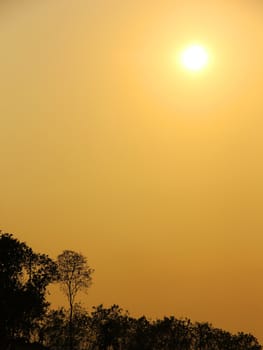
(111, 147)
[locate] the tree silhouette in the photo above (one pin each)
(27, 322)
(24, 277)
(173, 334)
(74, 275)
(110, 327)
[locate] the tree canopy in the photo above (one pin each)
(27, 322)
(24, 277)
(74, 275)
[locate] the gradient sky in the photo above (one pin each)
(108, 147)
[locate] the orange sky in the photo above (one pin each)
(108, 147)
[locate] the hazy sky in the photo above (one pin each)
(110, 148)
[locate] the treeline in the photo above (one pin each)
(112, 328)
(28, 322)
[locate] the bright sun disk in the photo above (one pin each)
(194, 57)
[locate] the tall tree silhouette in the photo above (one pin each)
(74, 275)
(24, 277)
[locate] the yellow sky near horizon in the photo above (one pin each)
(110, 148)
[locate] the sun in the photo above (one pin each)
(194, 58)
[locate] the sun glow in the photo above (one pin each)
(194, 58)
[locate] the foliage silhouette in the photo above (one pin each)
(24, 277)
(28, 323)
(74, 275)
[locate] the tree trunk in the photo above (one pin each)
(71, 324)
